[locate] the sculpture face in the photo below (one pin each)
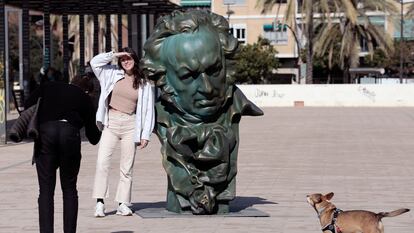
(196, 71)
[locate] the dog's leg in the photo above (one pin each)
(380, 227)
(374, 228)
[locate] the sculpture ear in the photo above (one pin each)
(329, 196)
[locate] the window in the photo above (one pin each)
(276, 33)
(239, 31)
(234, 2)
(408, 29)
(378, 21)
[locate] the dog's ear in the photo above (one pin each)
(329, 196)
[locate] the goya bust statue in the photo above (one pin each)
(199, 109)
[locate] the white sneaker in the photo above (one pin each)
(123, 210)
(99, 210)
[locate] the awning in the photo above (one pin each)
(195, 3)
(271, 27)
(267, 27)
(366, 70)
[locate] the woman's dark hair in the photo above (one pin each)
(138, 74)
(84, 82)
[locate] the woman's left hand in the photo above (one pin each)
(143, 144)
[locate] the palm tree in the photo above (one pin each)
(308, 8)
(350, 25)
(410, 10)
(344, 19)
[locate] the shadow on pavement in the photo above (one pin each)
(139, 205)
(241, 203)
(237, 205)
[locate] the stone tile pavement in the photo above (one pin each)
(364, 155)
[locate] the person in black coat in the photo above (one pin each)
(64, 109)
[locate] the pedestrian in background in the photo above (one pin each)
(126, 115)
(64, 109)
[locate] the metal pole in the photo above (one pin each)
(6, 67)
(26, 49)
(108, 33)
(401, 41)
(299, 61)
(46, 34)
(229, 13)
(81, 42)
(119, 31)
(3, 88)
(65, 25)
(95, 34)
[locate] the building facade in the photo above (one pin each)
(248, 23)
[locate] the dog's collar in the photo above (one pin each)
(332, 227)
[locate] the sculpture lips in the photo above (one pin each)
(206, 103)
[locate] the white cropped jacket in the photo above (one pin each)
(108, 75)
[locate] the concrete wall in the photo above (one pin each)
(341, 95)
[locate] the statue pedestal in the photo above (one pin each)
(163, 213)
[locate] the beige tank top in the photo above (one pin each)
(124, 96)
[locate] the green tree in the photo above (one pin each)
(255, 63)
(354, 24)
(392, 63)
(378, 59)
(410, 10)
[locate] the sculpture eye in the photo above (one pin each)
(214, 70)
(189, 75)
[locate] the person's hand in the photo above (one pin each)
(120, 54)
(143, 144)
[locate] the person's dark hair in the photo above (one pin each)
(83, 82)
(54, 75)
(138, 74)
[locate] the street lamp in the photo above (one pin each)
(229, 11)
(298, 47)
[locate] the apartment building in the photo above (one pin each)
(248, 24)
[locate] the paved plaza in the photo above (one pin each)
(363, 155)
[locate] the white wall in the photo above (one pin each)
(333, 95)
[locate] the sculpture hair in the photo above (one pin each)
(176, 23)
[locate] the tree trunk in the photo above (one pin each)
(309, 35)
(328, 81)
(346, 77)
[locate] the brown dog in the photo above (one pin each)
(353, 221)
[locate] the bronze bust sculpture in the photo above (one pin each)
(199, 109)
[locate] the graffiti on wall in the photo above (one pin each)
(367, 93)
(272, 93)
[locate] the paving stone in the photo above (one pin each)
(363, 155)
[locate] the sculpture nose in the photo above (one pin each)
(205, 86)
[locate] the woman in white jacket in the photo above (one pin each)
(125, 114)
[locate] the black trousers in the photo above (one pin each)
(58, 146)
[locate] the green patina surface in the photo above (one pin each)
(199, 109)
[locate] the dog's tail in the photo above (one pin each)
(392, 213)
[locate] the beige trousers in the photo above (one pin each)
(120, 128)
